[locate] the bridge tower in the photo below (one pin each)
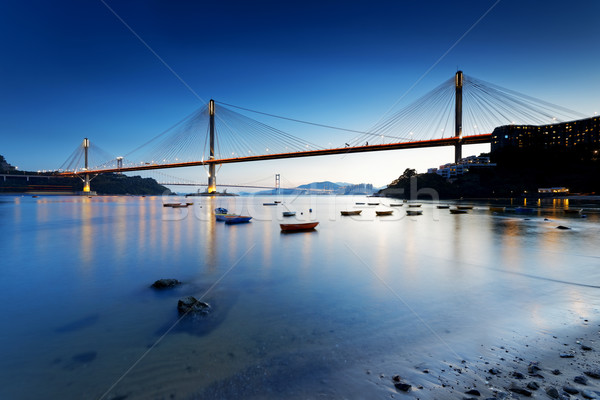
(458, 84)
(212, 175)
(86, 176)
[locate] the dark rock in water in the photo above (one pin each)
(405, 387)
(546, 219)
(190, 304)
(556, 372)
(494, 371)
(552, 392)
(85, 358)
(533, 386)
(396, 378)
(593, 374)
(165, 283)
(580, 379)
(570, 389)
(520, 390)
(562, 227)
(518, 375)
(586, 348)
(588, 395)
(567, 355)
(473, 392)
(533, 368)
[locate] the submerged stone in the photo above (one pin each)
(165, 283)
(190, 304)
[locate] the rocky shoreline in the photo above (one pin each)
(555, 366)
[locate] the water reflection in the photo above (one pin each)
(335, 296)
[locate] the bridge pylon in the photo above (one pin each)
(212, 175)
(86, 176)
(458, 84)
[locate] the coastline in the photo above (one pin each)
(556, 365)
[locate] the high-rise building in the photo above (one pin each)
(581, 134)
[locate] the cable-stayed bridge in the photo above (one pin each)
(460, 111)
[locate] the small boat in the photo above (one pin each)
(277, 201)
(464, 207)
(269, 204)
(414, 212)
(221, 213)
(443, 206)
(396, 205)
(457, 211)
(414, 205)
(373, 204)
(573, 210)
(175, 205)
(497, 209)
(384, 213)
(189, 203)
(237, 219)
(524, 210)
(359, 204)
(35, 197)
(353, 212)
(306, 226)
(289, 213)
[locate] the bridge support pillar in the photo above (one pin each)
(212, 175)
(86, 179)
(458, 84)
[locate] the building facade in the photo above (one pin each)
(452, 170)
(583, 134)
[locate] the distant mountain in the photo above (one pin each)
(320, 186)
(325, 187)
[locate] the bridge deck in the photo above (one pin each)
(475, 139)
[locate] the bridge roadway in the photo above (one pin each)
(474, 139)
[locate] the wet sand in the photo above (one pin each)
(560, 365)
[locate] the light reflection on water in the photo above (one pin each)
(298, 314)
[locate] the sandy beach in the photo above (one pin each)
(553, 365)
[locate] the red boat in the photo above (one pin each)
(307, 226)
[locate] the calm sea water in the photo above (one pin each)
(317, 314)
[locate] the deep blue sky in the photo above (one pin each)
(72, 69)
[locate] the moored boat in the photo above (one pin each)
(497, 209)
(384, 213)
(289, 213)
(464, 207)
(352, 212)
(443, 206)
(414, 205)
(237, 219)
(458, 211)
(305, 226)
(373, 204)
(573, 210)
(269, 204)
(359, 203)
(221, 213)
(175, 205)
(414, 212)
(396, 204)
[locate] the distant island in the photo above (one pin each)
(44, 183)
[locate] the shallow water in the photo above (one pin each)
(318, 314)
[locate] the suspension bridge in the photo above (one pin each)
(460, 111)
